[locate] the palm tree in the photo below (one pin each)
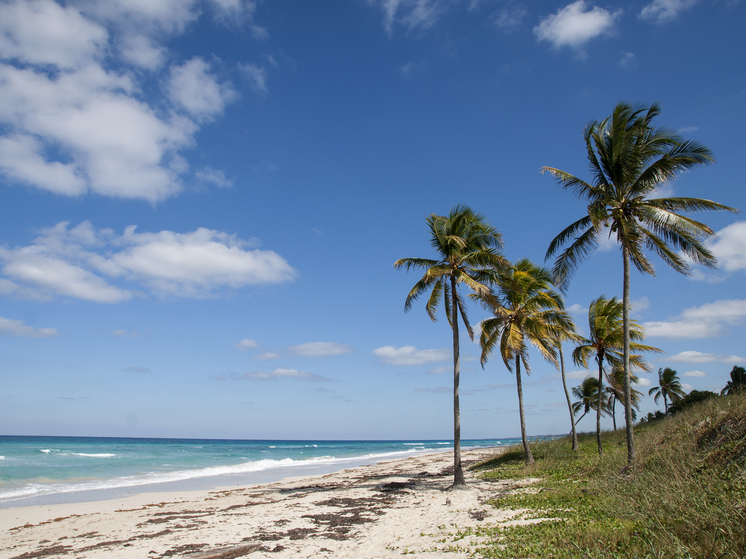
(669, 386)
(526, 309)
(629, 160)
(605, 344)
(587, 394)
(737, 381)
(615, 390)
(467, 252)
(569, 335)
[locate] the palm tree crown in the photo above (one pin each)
(669, 386)
(527, 311)
(468, 253)
(587, 395)
(629, 159)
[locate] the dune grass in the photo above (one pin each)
(686, 498)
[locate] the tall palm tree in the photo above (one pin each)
(605, 344)
(526, 311)
(467, 250)
(629, 160)
(587, 395)
(615, 390)
(568, 335)
(669, 386)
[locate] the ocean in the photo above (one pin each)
(49, 470)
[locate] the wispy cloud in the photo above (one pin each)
(662, 11)
(410, 356)
(411, 14)
(695, 374)
(574, 25)
(282, 374)
(698, 357)
(246, 343)
(705, 321)
(17, 328)
(319, 349)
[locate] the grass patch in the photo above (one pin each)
(685, 499)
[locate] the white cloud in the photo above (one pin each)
(411, 14)
(268, 356)
(642, 381)
(695, 374)
(283, 373)
(440, 370)
(18, 329)
(194, 88)
(573, 25)
(661, 11)
(627, 60)
(73, 111)
(143, 51)
(43, 32)
(247, 343)
(705, 321)
(409, 355)
(576, 308)
(319, 349)
(687, 387)
(729, 247)
(698, 357)
(82, 263)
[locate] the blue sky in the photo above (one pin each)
(203, 200)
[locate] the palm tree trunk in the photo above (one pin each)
(567, 396)
(599, 404)
(631, 458)
(581, 417)
(526, 449)
(458, 472)
(613, 411)
(665, 404)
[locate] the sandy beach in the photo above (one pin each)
(381, 510)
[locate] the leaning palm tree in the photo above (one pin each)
(629, 160)
(467, 253)
(615, 390)
(669, 386)
(587, 395)
(526, 311)
(605, 344)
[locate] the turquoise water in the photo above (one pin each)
(41, 470)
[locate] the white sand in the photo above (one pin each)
(365, 512)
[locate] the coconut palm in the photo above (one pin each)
(629, 160)
(615, 391)
(526, 311)
(467, 250)
(669, 386)
(587, 395)
(737, 382)
(605, 344)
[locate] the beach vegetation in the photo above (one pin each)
(686, 497)
(605, 345)
(468, 253)
(526, 311)
(630, 160)
(669, 387)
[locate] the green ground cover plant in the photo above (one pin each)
(685, 497)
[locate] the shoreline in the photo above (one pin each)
(365, 511)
